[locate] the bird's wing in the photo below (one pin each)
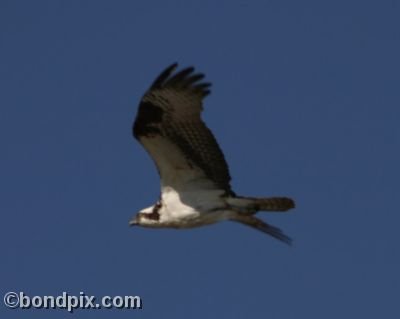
(169, 126)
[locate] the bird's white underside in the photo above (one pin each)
(190, 209)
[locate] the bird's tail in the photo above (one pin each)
(246, 207)
(254, 204)
(260, 225)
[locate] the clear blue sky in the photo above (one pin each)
(305, 103)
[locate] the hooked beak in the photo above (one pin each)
(133, 221)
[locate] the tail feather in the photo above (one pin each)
(254, 204)
(260, 225)
(279, 204)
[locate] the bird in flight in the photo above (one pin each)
(195, 179)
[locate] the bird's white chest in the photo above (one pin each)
(191, 209)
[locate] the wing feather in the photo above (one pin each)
(170, 128)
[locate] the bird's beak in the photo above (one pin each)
(133, 222)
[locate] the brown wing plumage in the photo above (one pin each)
(169, 126)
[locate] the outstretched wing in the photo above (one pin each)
(169, 126)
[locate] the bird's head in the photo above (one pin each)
(147, 217)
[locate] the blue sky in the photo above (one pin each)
(305, 103)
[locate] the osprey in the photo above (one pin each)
(195, 180)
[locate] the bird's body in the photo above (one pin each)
(195, 179)
(189, 209)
